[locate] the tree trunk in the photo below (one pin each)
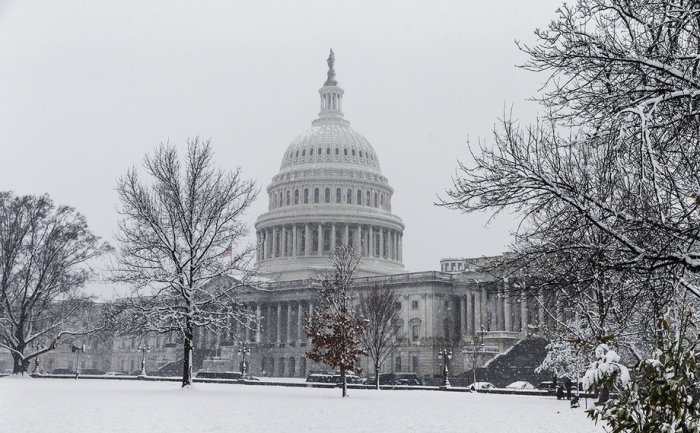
(187, 354)
(343, 381)
(19, 365)
(376, 374)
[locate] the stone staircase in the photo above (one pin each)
(517, 363)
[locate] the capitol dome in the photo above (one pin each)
(329, 191)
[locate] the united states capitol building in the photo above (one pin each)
(330, 191)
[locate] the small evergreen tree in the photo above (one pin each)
(663, 397)
(334, 325)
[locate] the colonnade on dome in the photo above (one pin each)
(321, 239)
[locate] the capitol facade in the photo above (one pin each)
(330, 191)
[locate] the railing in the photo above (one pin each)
(383, 279)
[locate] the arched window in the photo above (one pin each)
(319, 151)
(306, 195)
(337, 151)
(311, 152)
(328, 150)
(296, 196)
(345, 152)
(353, 152)
(376, 202)
(359, 197)
(316, 195)
(382, 200)
(367, 200)
(327, 195)
(297, 154)
(281, 199)
(338, 195)
(360, 154)
(303, 152)
(348, 199)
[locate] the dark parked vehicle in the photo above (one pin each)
(392, 379)
(333, 378)
(232, 375)
(62, 371)
(93, 371)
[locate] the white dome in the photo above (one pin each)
(329, 191)
(330, 141)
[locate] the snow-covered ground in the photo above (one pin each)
(60, 405)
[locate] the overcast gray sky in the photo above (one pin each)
(88, 87)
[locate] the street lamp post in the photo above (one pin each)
(77, 350)
(481, 347)
(143, 348)
(445, 355)
(243, 350)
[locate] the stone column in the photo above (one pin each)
(274, 242)
(392, 245)
(279, 323)
(295, 241)
(247, 330)
(257, 323)
(307, 240)
(264, 244)
(300, 323)
(462, 315)
(469, 317)
(540, 310)
(381, 243)
(485, 313)
(311, 311)
(477, 310)
(358, 242)
(523, 314)
(289, 323)
(506, 313)
(332, 237)
(401, 248)
(370, 241)
(346, 234)
(283, 241)
(320, 239)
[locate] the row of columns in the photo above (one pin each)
(493, 311)
(319, 239)
(277, 322)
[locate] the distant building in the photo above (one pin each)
(330, 191)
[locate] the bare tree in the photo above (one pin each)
(178, 234)
(380, 308)
(608, 184)
(335, 325)
(45, 252)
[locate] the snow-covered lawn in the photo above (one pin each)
(59, 405)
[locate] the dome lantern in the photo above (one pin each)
(331, 93)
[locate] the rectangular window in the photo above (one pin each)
(414, 360)
(367, 201)
(398, 363)
(415, 332)
(338, 195)
(414, 305)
